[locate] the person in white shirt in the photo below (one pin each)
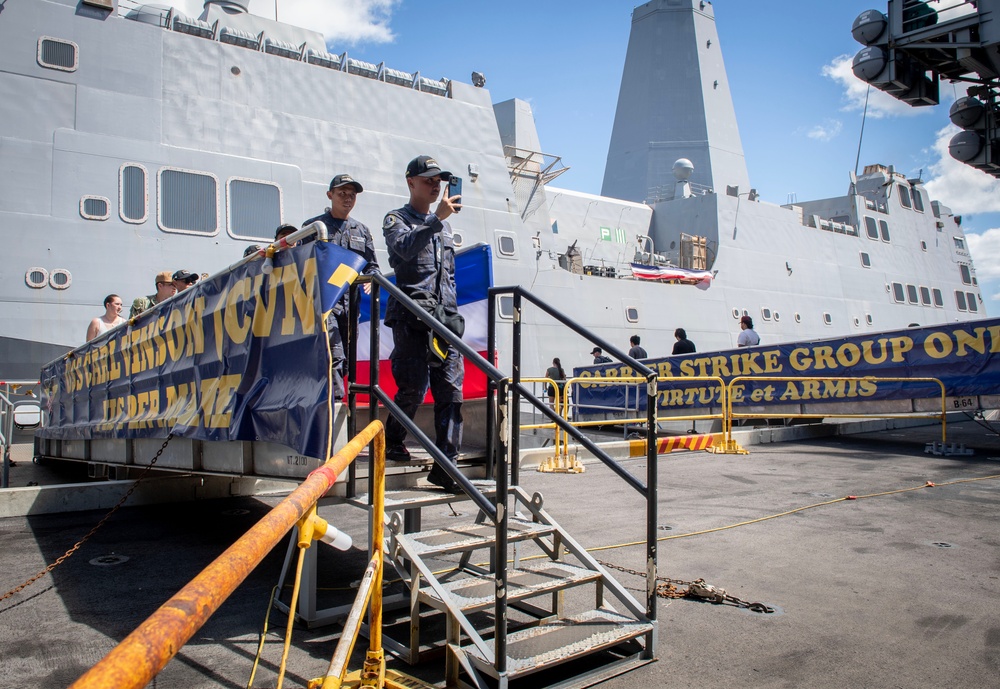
(748, 337)
(112, 317)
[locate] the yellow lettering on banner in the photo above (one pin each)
(182, 408)
(156, 330)
(146, 345)
(194, 326)
(687, 367)
(824, 358)
(868, 351)
(586, 374)
(299, 300)
(263, 310)
(175, 334)
(736, 393)
(663, 369)
(938, 345)
(975, 342)
(217, 315)
(237, 324)
(848, 354)
(142, 408)
(900, 346)
(994, 331)
(771, 364)
(867, 387)
(799, 359)
(748, 365)
(216, 395)
(126, 363)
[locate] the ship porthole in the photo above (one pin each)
(798, 318)
(60, 278)
(36, 277)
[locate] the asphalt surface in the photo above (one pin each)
(894, 590)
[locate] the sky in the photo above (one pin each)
(798, 105)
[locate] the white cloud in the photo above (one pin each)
(826, 131)
(880, 103)
(985, 250)
(960, 187)
(344, 22)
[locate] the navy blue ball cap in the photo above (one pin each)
(425, 166)
(343, 181)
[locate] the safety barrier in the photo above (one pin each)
(142, 654)
(730, 445)
(9, 388)
(563, 461)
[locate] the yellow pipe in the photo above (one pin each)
(143, 653)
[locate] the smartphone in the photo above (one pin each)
(455, 188)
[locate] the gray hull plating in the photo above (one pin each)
(142, 95)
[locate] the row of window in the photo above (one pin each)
(912, 294)
(188, 202)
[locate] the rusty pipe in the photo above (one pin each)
(142, 654)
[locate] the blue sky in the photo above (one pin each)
(798, 106)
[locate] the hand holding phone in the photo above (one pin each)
(455, 189)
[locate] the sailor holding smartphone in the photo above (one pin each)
(422, 253)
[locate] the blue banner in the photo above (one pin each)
(242, 355)
(965, 357)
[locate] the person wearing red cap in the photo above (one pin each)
(421, 250)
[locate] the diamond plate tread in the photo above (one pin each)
(425, 497)
(475, 593)
(559, 641)
(456, 539)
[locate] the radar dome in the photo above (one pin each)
(966, 111)
(869, 26)
(965, 146)
(683, 169)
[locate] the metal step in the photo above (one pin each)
(457, 539)
(412, 498)
(559, 641)
(479, 592)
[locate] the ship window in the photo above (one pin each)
(827, 318)
(925, 296)
(506, 245)
(736, 313)
(505, 307)
(631, 314)
(904, 196)
(973, 304)
(188, 201)
(857, 322)
(870, 228)
(132, 193)
(765, 313)
(60, 279)
(959, 243)
(457, 239)
(923, 245)
(966, 274)
(918, 200)
(36, 277)
(798, 317)
(94, 207)
(866, 260)
(56, 53)
(777, 316)
(911, 294)
(883, 228)
(254, 208)
(960, 300)
(938, 297)
(898, 294)
(868, 319)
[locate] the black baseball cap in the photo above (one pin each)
(595, 350)
(344, 180)
(425, 166)
(185, 276)
(284, 231)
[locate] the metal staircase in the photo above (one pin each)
(519, 596)
(565, 609)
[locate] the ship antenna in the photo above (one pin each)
(861, 136)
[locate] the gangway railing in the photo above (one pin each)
(730, 414)
(8, 388)
(504, 395)
(135, 661)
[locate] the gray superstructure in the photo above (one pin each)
(135, 139)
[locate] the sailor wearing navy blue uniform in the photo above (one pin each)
(352, 235)
(422, 253)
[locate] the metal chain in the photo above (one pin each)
(697, 589)
(101, 523)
